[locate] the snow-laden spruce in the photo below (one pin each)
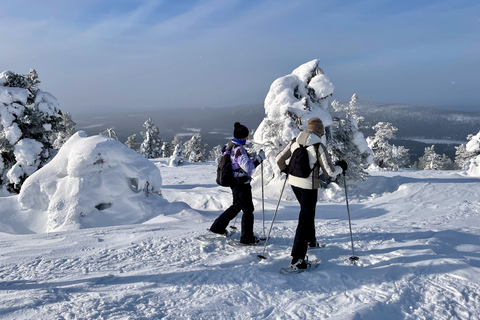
(92, 181)
(290, 102)
(31, 128)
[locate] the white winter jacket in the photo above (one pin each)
(309, 139)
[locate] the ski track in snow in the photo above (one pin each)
(419, 258)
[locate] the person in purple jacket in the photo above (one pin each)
(243, 166)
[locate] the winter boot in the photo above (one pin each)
(250, 240)
(300, 264)
(224, 232)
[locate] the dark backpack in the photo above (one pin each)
(225, 176)
(299, 165)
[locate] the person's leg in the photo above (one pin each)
(245, 202)
(311, 207)
(220, 224)
(307, 199)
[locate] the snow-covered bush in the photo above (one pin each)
(433, 161)
(90, 182)
(132, 142)
(66, 129)
(110, 132)
(167, 149)
(194, 149)
(472, 148)
(30, 126)
(215, 154)
(387, 156)
(467, 152)
(177, 159)
(291, 101)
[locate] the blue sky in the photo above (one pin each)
(117, 54)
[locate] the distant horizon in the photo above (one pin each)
(99, 110)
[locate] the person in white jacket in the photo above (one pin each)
(306, 188)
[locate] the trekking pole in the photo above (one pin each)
(263, 204)
(262, 256)
(353, 258)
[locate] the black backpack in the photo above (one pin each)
(225, 176)
(299, 165)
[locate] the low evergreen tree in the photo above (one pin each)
(433, 161)
(30, 124)
(386, 155)
(215, 154)
(464, 154)
(177, 159)
(167, 149)
(132, 142)
(66, 129)
(347, 142)
(151, 145)
(194, 149)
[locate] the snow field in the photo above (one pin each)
(416, 233)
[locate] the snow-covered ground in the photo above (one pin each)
(417, 234)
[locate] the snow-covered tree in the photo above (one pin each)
(194, 149)
(463, 154)
(351, 111)
(30, 121)
(347, 142)
(151, 145)
(445, 162)
(387, 156)
(215, 153)
(344, 145)
(66, 129)
(291, 101)
(167, 149)
(468, 156)
(177, 159)
(110, 132)
(429, 161)
(132, 142)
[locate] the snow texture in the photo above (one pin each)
(92, 181)
(417, 234)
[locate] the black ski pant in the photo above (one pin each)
(306, 221)
(242, 201)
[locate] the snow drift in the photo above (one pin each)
(93, 181)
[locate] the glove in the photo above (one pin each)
(285, 170)
(342, 164)
(260, 156)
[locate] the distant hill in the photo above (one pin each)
(421, 122)
(216, 124)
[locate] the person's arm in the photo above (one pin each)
(283, 156)
(325, 162)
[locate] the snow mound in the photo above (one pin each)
(93, 182)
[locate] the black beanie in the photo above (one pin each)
(240, 131)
